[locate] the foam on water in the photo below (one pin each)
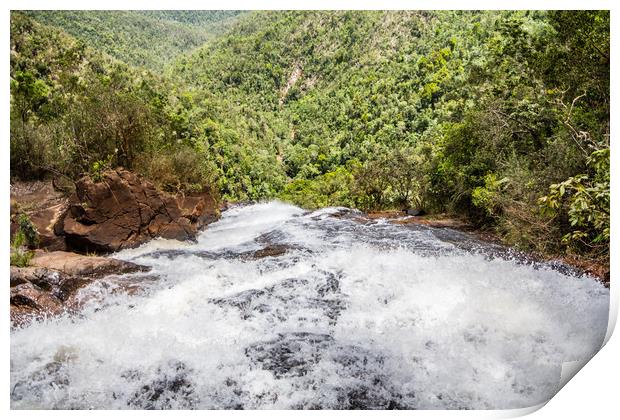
(353, 315)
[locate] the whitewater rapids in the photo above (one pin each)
(348, 313)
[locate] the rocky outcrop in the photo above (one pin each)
(48, 288)
(123, 211)
(119, 211)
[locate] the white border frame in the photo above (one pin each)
(593, 393)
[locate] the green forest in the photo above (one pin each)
(498, 117)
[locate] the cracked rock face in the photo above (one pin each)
(123, 211)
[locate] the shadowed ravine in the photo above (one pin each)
(275, 307)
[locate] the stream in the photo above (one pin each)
(277, 307)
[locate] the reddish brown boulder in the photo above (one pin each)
(123, 211)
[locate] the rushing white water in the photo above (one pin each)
(353, 315)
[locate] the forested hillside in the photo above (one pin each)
(149, 38)
(76, 110)
(499, 116)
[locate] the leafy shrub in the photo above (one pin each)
(28, 229)
(586, 201)
(26, 236)
(487, 196)
(99, 166)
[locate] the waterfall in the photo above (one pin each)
(277, 307)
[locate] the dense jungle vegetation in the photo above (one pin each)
(148, 38)
(501, 117)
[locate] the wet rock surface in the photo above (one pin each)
(45, 278)
(73, 264)
(171, 389)
(303, 299)
(292, 354)
(274, 250)
(50, 286)
(30, 301)
(300, 354)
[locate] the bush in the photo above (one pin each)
(176, 169)
(26, 236)
(585, 200)
(330, 189)
(487, 196)
(28, 230)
